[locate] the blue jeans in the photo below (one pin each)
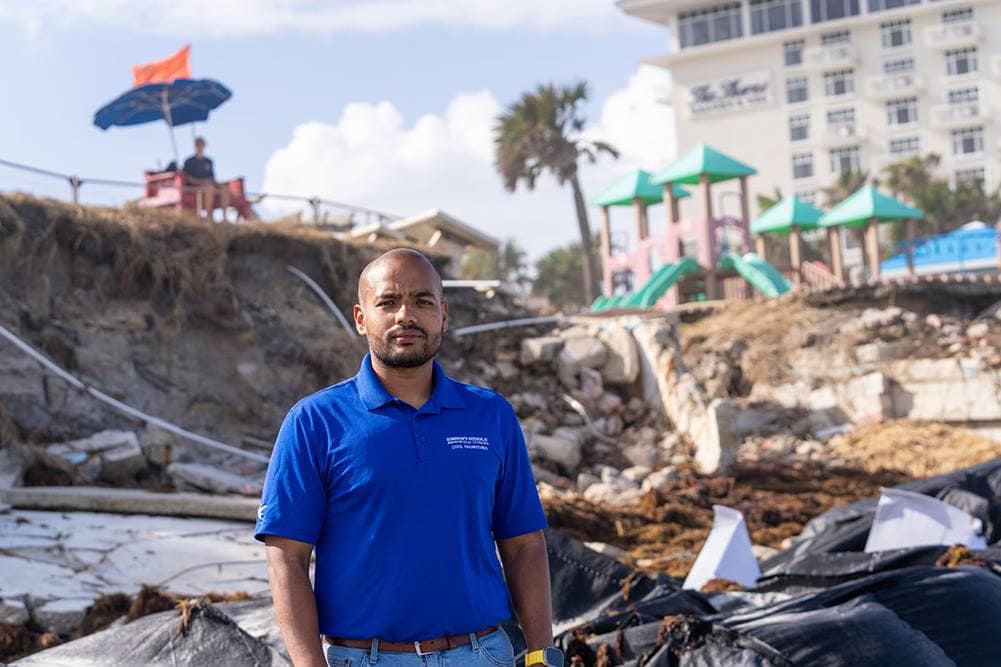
(493, 650)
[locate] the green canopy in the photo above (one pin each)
(869, 203)
(780, 218)
(635, 184)
(702, 160)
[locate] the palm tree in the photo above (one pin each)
(845, 185)
(765, 202)
(541, 132)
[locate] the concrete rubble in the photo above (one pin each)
(55, 565)
(636, 424)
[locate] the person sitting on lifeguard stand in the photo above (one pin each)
(199, 173)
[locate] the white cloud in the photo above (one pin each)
(370, 156)
(188, 18)
(637, 121)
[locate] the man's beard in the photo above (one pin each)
(411, 357)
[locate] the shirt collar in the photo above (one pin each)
(373, 395)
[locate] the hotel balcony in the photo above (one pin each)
(827, 57)
(952, 35)
(894, 85)
(946, 116)
(842, 134)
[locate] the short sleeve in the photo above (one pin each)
(517, 508)
(294, 500)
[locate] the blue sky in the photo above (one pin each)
(292, 65)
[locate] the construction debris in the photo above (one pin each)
(793, 412)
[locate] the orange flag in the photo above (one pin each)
(163, 71)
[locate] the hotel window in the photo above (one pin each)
(841, 82)
(961, 61)
(973, 174)
(968, 98)
(882, 5)
(770, 15)
(796, 90)
(894, 34)
(968, 141)
(841, 122)
(829, 10)
(809, 196)
(905, 147)
(799, 128)
(715, 24)
(845, 159)
(835, 38)
(793, 52)
(902, 111)
(898, 66)
(802, 165)
(958, 15)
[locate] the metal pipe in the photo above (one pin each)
(506, 324)
(325, 298)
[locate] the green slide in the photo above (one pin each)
(763, 276)
(660, 282)
(654, 288)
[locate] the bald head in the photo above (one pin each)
(393, 262)
(401, 309)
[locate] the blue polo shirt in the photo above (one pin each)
(403, 505)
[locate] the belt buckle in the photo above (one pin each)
(417, 647)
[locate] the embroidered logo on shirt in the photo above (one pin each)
(260, 511)
(467, 442)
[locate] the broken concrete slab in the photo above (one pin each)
(122, 462)
(88, 555)
(561, 451)
(131, 501)
(642, 454)
(583, 353)
(612, 494)
(97, 442)
(872, 353)
(540, 350)
(659, 480)
(637, 473)
(208, 478)
(623, 363)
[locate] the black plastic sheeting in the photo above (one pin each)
(821, 602)
(214, 635)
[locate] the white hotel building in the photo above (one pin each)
(805, 89)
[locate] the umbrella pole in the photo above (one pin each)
(173, 143)
(170, 126)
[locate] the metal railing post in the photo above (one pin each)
(315, 203)
(75, 184)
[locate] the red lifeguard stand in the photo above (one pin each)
(169, 190)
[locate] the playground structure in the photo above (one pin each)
(710, 258)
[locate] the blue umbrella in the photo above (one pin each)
(177, 103)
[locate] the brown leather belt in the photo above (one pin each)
(420, 648)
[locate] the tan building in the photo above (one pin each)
(805, 89)
(434, 229)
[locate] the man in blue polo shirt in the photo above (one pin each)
(408, 485)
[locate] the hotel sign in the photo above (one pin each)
(735, 92)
